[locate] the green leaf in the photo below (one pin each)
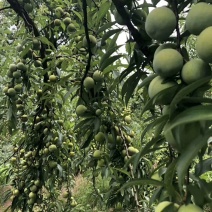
(102, 11)
(108, 62)
(130, 85)
(187, 90)
(168, 180)
(203, 166)
(107, 54)
(123, 171)
(189, 153)
(196, 113)
(109, 34)
(136, 182)
(105, 27)
(147, 80)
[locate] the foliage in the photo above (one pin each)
(70, 92)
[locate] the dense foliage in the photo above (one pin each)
(114, 88)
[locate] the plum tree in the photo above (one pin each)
(78, 98)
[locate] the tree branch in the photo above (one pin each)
(134, 32)
(4, 8)
(85, 23)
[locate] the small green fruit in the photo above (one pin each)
(21, 66)
(11, 92)
(32, 195)
(12, 67)
(132, 150)
(53, 78)
(52, 148)
(88, 83)
(36, 45)
(71, 28)
(18, 87)
(127, 119)
(100, 137)
(57, 22)
(59, 12)
(33, 188)
(98, 76)
(92, 39)
(97, 154)
(16, 74)
(67, 21)
(80, 110)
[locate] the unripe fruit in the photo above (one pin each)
(80, 110)
(162, 205)
(12, 67)
(52, 164)
(190, 208)
(16, 74)
(16, 192)
(21, 66)
(160, 23)
(11, 92)
(32, 195)
(33, 188)
(88, 83)
(132, 150)
(52, 148)
(98, 112)
(92, 39)
(59, 12)
(71, 28)
(101, 163)
(18, 87)
(167, 63)
(52, 78)
(36, 45)
(67, 21)
(165, 46)
(24, 118)
(37, 183)
(127, 119)
(199, 18)
(194, 70)
(57, 22)
(5, 90)
(100, 137)
(97, 154)
(204, 45)
(157, 85)
(98, 76)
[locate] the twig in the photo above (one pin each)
(4, 8)
(85, 23)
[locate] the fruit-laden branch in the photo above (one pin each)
(4, 8)
(31, 27)
(134, 32)
(85, 23)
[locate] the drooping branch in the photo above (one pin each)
(29, 23)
